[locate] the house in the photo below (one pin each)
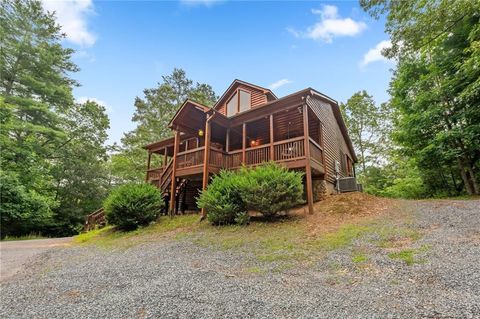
(249, 125)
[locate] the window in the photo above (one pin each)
(244, 101)
(232, 105)
(239, 102)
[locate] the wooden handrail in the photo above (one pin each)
(289, 140)
(191, 151)
(315, 143)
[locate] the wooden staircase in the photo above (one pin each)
(94, 220)
(165, 184)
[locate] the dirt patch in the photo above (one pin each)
(351, 208)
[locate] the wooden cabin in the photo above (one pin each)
(249, 125)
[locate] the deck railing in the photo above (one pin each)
(257, 155)
(217, 158)
(316, 151)
(190, 158)
(233, 159)
(154, 174)
(289, 149)
(286, 150)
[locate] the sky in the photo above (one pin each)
(125, 47)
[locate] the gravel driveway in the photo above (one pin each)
(14, 255)
(179, 279)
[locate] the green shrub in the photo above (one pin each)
(268, 189)
(222, 199)
(132, 205)
(271, 188)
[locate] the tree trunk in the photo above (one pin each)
(465, 178)
(475, 187)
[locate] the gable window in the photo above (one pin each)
(232, 105)
(239, 102)
(244, 101)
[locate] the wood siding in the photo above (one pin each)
(334, 142)
(258, 98)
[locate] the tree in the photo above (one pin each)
(52, 154)
(368, 127)
(33, 85)
(80, 174)
(436, 87)
(152, 115)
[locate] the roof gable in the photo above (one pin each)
(242, 84)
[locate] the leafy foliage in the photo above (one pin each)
(222, 199)
(435, 91)
(52, 148)
(268, 189)
(20, 208)
(152, 115)
(132, 205)
(271, 188)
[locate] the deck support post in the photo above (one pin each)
(244, 141)
(174, 169)
(272, 154)
(206, 158)
(148, 165)
(308, 168)
(227, 141)
(164, 158)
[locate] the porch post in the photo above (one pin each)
(244, 141)
(206, 159)
(272, 154)
(174, 170)
(308, 168)
(148, 165)
(165, 157)
(227, 140)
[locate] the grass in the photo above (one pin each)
(409, 256)
(359, 258)
(281, 244)
(25, 237)
(108, 237)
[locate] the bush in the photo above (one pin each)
(271, 188)
(267, 189)
(222, 199)
(132, 205)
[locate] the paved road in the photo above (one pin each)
(14, 254)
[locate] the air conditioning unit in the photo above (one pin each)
(347, 184)
(360, 187)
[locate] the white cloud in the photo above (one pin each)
(375, 54)
(72, 15)
(279, 83)
(84, 99)
(206, 3)
(331, 25)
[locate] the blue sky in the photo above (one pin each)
(125, 47)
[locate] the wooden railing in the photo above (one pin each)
(316, 151)
(166, 177)
(95, 219)
(217, 158)
(257, 155)
(289, 150)
(285, 150)
(190, 158)
(154, 174)
(233, 159)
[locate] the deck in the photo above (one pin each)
(290, 152)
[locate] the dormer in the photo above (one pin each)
(242, 96)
